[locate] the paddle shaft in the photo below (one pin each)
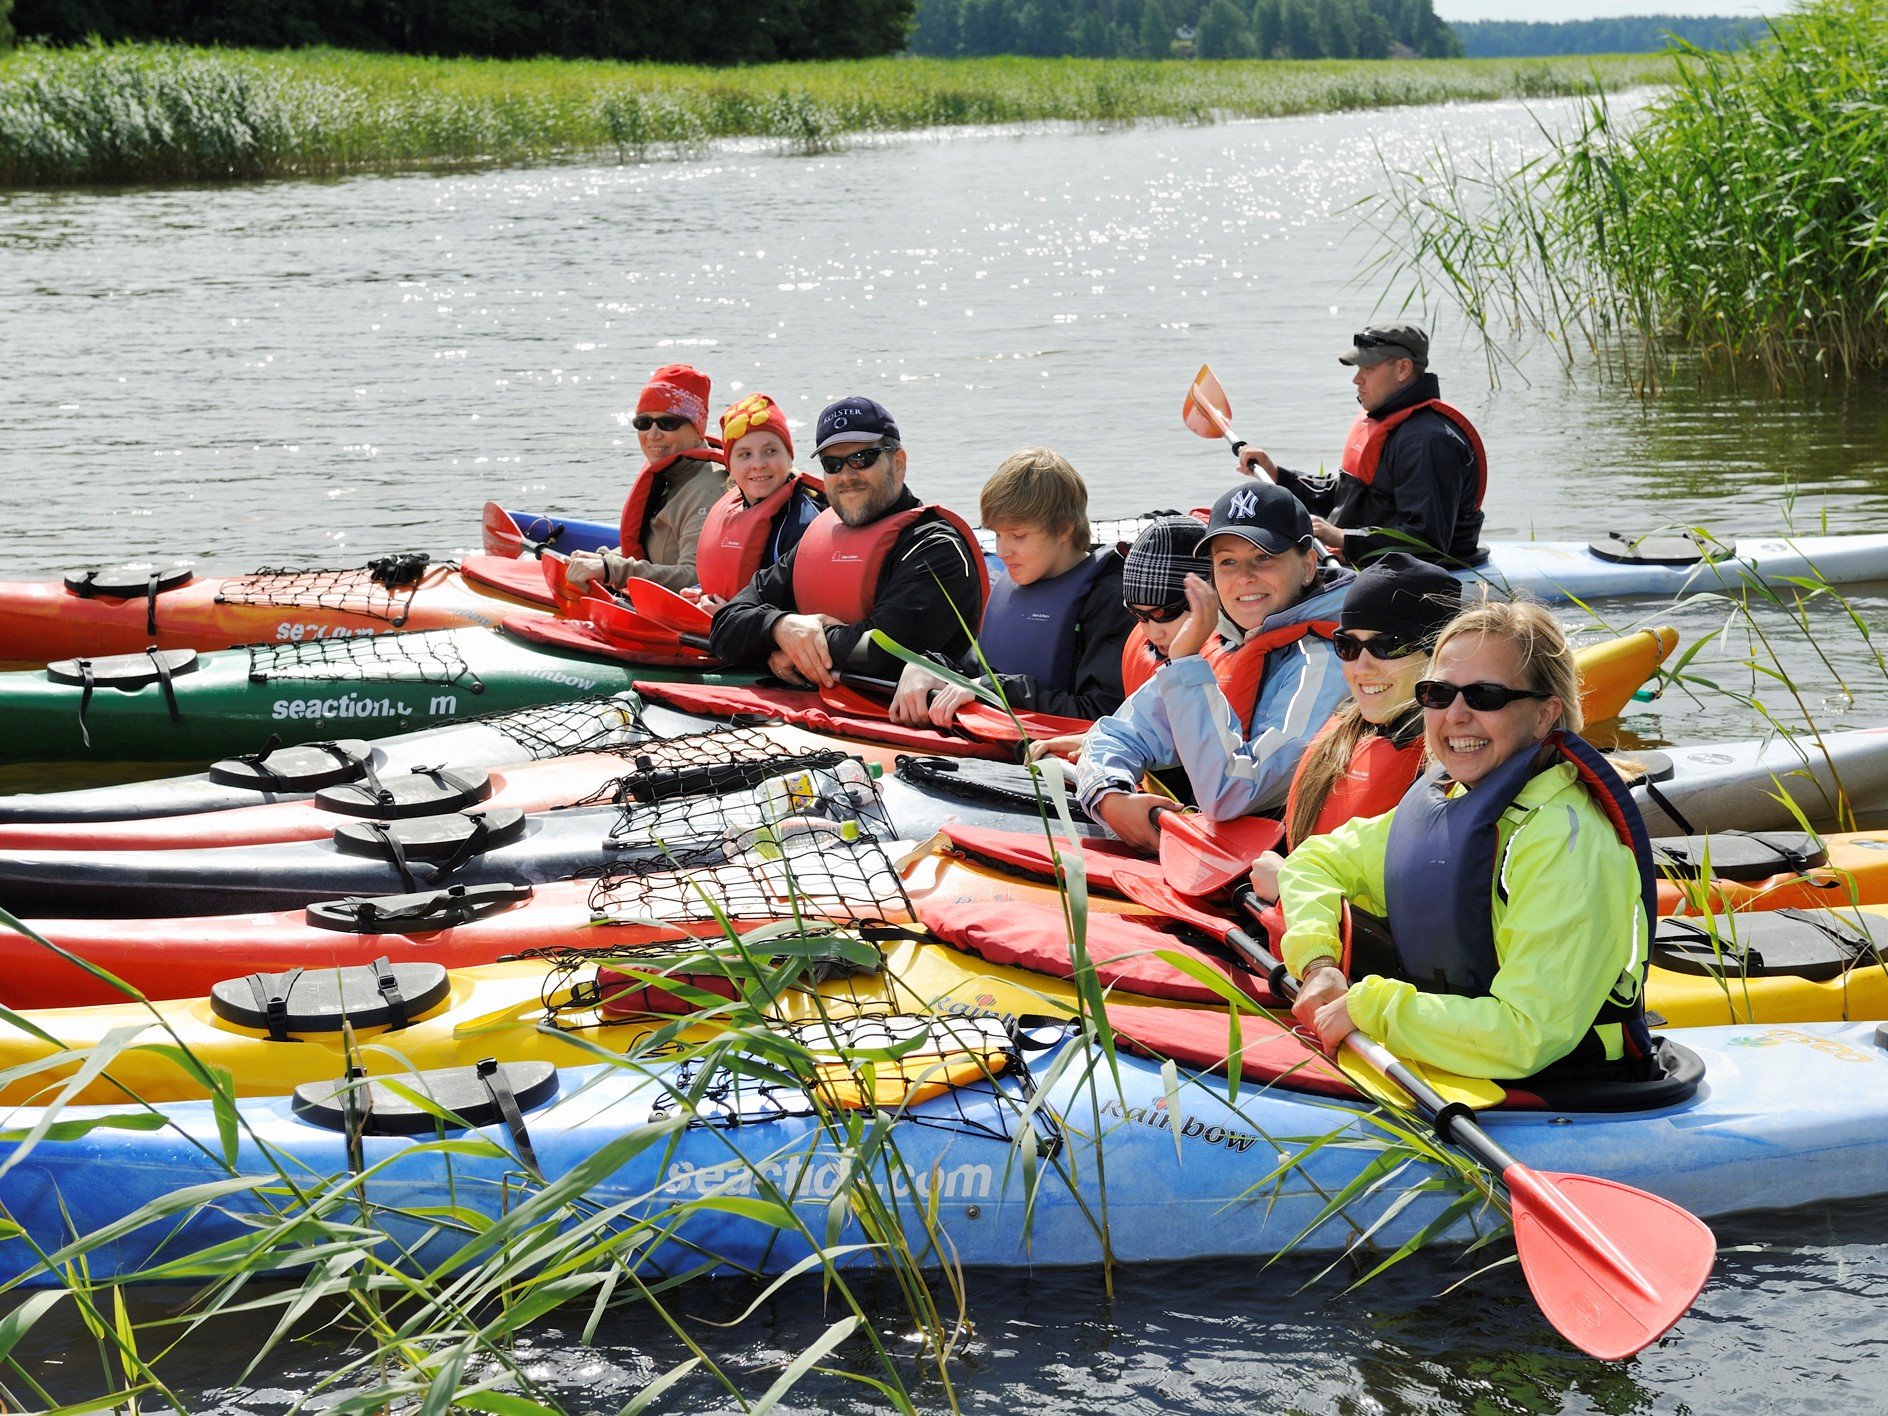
(1452, 1121)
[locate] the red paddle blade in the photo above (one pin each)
(1206, 410)
(664, 606)
(842, 698)
(1201, 857)
(569, 601)
(501, 534)
(621, 623)
(1612, 1267)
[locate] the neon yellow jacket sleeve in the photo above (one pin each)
(1569, 928)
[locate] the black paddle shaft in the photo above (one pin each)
(1453, 1121)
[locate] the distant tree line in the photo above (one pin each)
(1203, 29)
(6, 31)
(1637, 34)
(695, 32)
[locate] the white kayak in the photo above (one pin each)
(1676, 565)
(1744, 785)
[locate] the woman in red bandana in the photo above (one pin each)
(766, 508)
(682, 476)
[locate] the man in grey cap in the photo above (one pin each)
(1413, 472)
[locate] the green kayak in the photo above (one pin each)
(180, 705)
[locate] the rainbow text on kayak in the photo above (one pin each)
(355, 705)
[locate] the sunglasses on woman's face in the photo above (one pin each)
(1383, 647)
(1482, 697)
(668, 422)
(858, 461)
(1165, 614)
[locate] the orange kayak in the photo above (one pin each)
(94, 614)
(186, 957)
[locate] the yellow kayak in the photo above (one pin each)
(1615, 669)
(1773, 966)
(528, 1010)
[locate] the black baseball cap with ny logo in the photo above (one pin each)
(1263, 513)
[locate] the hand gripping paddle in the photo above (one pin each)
(1612, 1267)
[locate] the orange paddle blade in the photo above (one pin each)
(1206, 410)
(500, 532)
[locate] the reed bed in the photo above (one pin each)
(161, 113)
(1741, 217)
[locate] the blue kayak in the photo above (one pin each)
(697, 1166)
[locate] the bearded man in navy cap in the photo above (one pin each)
(876, 558)
(1413, 472)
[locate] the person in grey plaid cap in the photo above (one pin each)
(1154, 588)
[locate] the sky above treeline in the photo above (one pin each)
(1552, 10)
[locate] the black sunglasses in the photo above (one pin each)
(858, 461)
(668, 422)
(1366, 340)
(1166, 614)
(1482, 697)
(1383, 647)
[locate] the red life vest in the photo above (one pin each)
(734, 539)
(636, 505)
(1139, 659)
(1240, 670)
(836, 567)
(1380, 773)
(1363, 447)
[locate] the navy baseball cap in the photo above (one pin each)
(854, 420)
(1263, 513)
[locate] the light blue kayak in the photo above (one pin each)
(1786, 1116)
(1556, 572)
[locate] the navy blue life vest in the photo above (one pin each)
(1442, 872)
(1031, 629)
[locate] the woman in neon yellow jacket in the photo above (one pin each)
(1516, 899)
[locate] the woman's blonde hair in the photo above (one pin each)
(1324, 766)
(1547, 662)
(1037, 487)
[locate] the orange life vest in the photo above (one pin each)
(1363, 447)
(1240, 670)
(836, 567)
(1139, 659)
(636, 505)
(734, 539)
(1379, 774)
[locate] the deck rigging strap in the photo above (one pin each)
(812, 873)
(609, 724)
(389, 658)
(382, 589)
(700, 764)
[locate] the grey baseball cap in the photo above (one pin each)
(1379, 343)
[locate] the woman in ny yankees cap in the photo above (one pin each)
(1252, 676)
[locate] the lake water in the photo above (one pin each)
(313, 373)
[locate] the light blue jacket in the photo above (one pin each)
(1180, 717)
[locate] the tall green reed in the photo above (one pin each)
(1741, 214)
(136, 113)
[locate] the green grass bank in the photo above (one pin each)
(1741, 219)
(159, 113)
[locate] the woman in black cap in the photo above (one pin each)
(1372, 747)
